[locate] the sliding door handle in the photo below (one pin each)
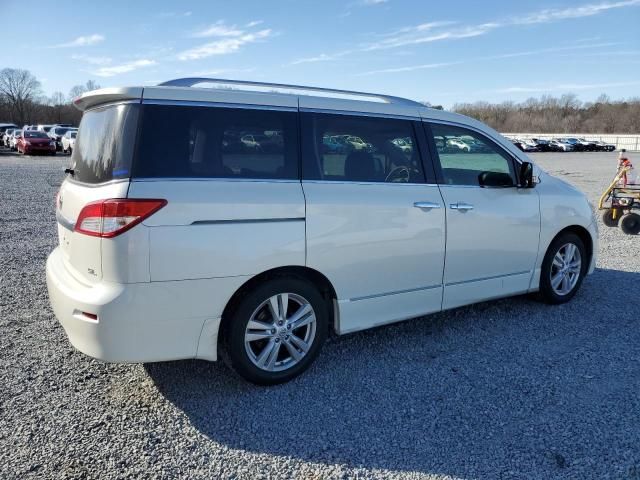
(426, 205)
(461, 206)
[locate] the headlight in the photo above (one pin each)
(27, 142)
(52, 144)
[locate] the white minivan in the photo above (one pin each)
(205, 244)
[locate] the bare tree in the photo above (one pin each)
(58, 103)
(20, 89)
(78, 90)
(565, 114)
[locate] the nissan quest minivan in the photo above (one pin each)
(269, 217)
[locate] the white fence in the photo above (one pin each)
(630, 142)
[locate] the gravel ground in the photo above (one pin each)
(504, 389)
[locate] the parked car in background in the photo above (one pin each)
(6, 126)
(13, 140)
(589, 145)
(528, 145)
(604, 147)
(543, 145)
(5, 136)
(403, 144)
(333, 145)
(519, 145)
(69, 141)
(35, 141)
(578, 146)
(44, 128)
(56, 133)
(464, 144)
(557, 145)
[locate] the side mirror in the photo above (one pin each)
(526, 175)
(495, 180)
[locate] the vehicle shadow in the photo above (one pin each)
(511, 383)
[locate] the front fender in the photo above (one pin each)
(562, 206)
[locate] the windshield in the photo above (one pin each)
(35, 134)
(104, 146)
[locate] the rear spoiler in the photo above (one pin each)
(107, 95)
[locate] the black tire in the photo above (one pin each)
(232, 344)
(608, 218)
(547, 292)
(630, 223)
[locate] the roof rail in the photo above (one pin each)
(191, 81)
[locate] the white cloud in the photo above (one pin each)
(114, 70)
(434, 31)
(415, 36)
(91, 59)
(219, 29)
(368, 3)
(224, 46)
(323, 57)
(84, 41)
(555, 14)
(411, 68)
(254, 23)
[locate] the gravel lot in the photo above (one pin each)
(505, 389)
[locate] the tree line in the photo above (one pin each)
(22, 101)
(564, 114)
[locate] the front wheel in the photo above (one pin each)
(276, 331)
(563, 269)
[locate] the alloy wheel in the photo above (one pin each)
(280, 332)
(566, 269)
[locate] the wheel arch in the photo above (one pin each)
(316, 278)
(582, 233)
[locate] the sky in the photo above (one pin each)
(443, 52)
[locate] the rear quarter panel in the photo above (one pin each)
(217, 228)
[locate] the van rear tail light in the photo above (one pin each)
(109, 218)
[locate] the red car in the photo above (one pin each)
(33, 141)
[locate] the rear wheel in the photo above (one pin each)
(630, 223)
(611, 217)
(276, 331)
(563, 269)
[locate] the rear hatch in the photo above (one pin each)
(100, 169)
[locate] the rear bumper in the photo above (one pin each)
(138, 322)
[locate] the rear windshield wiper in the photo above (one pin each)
(70, 171)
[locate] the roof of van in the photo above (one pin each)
(237, 92)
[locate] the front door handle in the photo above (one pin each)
(426, 205)
(461, 206)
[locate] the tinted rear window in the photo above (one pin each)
(104, 147)
(213, 142)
